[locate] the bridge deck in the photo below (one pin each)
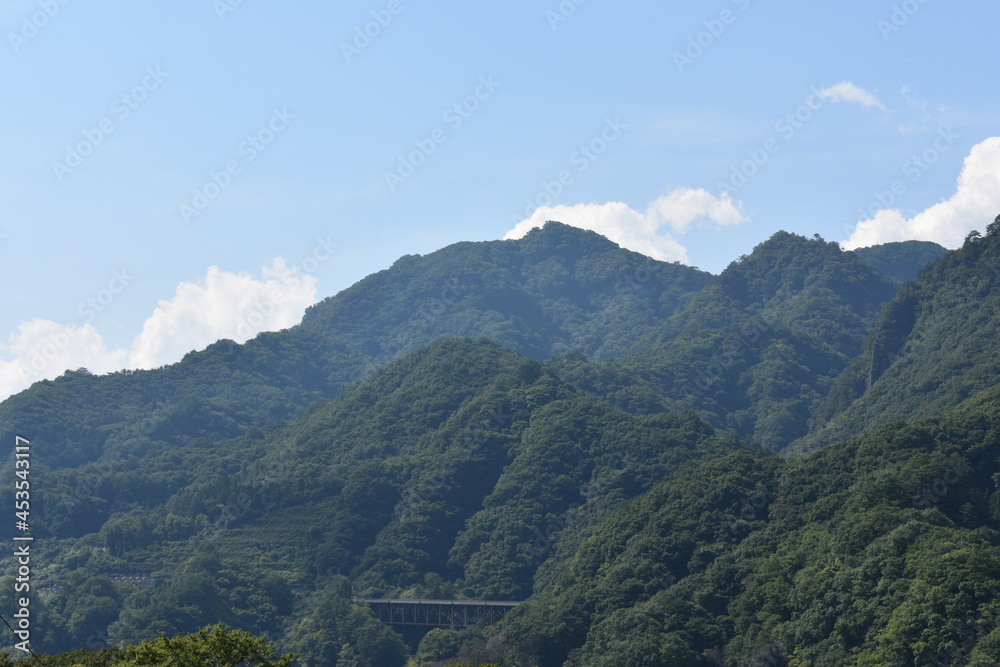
(438, 613)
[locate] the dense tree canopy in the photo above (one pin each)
(554, 420)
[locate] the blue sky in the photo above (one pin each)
(173, 173)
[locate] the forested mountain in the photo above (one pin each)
(901, 260)
(559, 290)
(935, 344)
(561, 421)
(762, 343)
(883, 550)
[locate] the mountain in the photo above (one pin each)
(558, 290)
(144, 466)
(761, 345)
(934, 346)
(447, 473)
(553, 419)
(881, 550)
(901, 260)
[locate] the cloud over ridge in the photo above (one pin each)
(652, 232)
(222, 305)
(975, 203)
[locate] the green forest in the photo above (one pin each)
(795, 462)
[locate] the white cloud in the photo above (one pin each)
(642, 232)
(41, 349)
(845, 91)
(685, 205)
(975, 204)
(223, 305)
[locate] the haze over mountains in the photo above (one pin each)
(794, 462)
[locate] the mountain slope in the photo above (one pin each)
(881, 550)
(450, 472)
(902, 260)
(536, 419)
(934, 346)
(559, 289)
(760, 346)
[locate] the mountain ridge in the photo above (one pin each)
(553, 419)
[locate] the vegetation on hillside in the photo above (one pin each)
(902, 260)
(554, 420)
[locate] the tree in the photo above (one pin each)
(346, 657)
(994, 226)
(213, 646)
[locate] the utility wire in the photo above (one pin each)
(33, 654)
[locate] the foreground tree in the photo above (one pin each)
(212, 646)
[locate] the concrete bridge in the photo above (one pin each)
(437, 613)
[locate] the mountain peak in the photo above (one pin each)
(786, 264)
(550, 292)
(555, 235)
